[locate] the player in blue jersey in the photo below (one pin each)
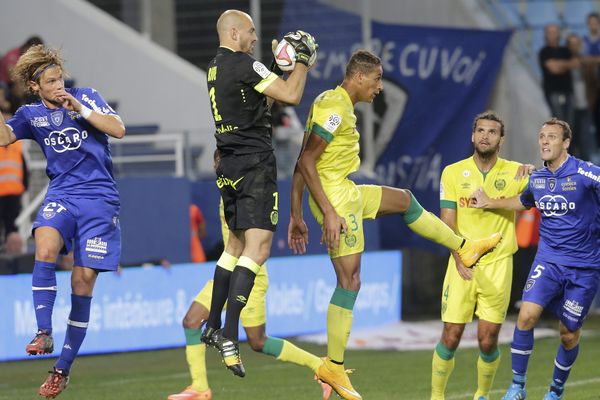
(565, 273)
(81, 209)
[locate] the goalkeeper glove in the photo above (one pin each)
(304, 44)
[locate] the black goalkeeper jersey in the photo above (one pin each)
(242, 118)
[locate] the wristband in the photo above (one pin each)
(85, 112)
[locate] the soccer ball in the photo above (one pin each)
(285, 56)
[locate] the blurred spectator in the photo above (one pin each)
(13, 183)
(14, 244)
(288, 133)
(557, 62)
(9, 60)
(583, 136)
(591, 49)
(5, 104)
(16, 94)
(198, 232)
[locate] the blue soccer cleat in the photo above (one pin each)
(515, 392)
(551, 395)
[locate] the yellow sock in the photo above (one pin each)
(195, 355)
(294, 354)
(487, 365)
(339, 324)
(431, 227)
(441, 369)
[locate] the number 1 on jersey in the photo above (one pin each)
(216, 114)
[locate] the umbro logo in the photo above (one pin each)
(241, 299)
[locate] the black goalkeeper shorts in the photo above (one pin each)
(248, 185)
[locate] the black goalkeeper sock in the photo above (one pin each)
(242, 281)
(220, 292)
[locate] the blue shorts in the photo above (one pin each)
(90, 227)
(567, 291)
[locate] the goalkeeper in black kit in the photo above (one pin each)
(241, 91)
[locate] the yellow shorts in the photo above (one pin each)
(255, 312)
(487, 295)
(354, 203)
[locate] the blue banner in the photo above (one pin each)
(142, 308)
(435, 81)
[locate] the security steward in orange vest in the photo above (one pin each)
(13, 183)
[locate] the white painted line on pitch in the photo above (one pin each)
(581, 382)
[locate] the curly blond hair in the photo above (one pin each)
(34, 62)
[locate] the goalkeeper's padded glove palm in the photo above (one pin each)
(304, 44)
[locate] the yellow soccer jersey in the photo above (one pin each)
(332, 118)
(460, 180)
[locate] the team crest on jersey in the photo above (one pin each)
(529, 284)
(466, 173)
(500, 184)
(274, 217)
(552, 184)
(350, 240)
(57, 118)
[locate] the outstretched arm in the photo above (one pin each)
(112, 125)
(482, 200)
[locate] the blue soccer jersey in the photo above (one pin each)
(569, 201)
(78, 154)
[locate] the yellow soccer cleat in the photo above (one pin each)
(472, 250)
(191, 394)
(338, 381)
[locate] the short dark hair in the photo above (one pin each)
(361, 61)
(490, 116)
(593, 14)
(566, 129)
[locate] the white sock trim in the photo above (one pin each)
(77, 324)
(44, 288)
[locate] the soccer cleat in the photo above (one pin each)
(42, 343)
(230, 352)
(472, 250)
(209, 336)
(55, 383)
(338, 381)
(552, 395)
(191, 394)
(327, 390)
(515, 392)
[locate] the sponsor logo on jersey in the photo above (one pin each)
(573, 307)
(332, 123)
(39, 122)
(569, 185)
(554, 206)
(57, 118)
(65, 140)
(500, 184)
(552, 184)
(96, 245)
(350, 240)
(588, 174)
(539, 183)
(260, 69)
(466, 173)
(74, 115)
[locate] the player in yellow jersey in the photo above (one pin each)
(329, 155)
(253, 318)
(484, 290)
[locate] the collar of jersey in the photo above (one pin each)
(344, 93)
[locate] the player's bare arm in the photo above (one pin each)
(448, 216)
(112, 125)
(333, 224)
(289, 91)
(6, 134)
(482, 200)
(297, 229)
(524, 171)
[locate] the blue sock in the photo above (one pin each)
(521, 348)
(43, 285)
(76, 329)
(562, 367)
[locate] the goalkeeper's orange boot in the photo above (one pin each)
(55, 383)
(472, 250)
(338, 380)
(42, 343)
(192, 394)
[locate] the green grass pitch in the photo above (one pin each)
(379, 375)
